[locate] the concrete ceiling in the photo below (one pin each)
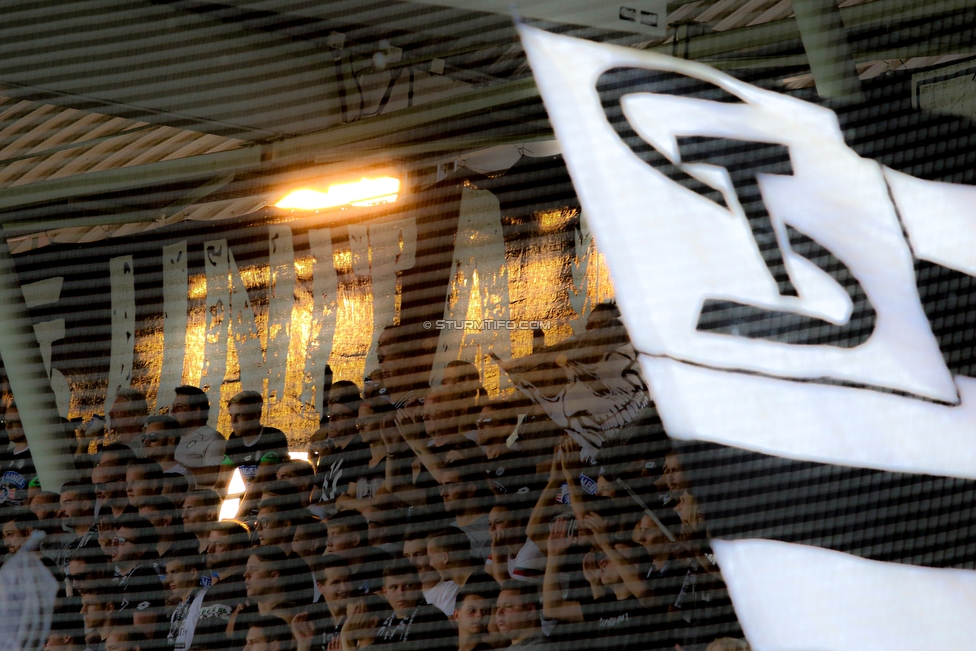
(208, 104)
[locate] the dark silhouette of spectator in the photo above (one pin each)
(159, 440)
(143, 480)
(472, 613)
(412, 623)
(201, 447)
(513, 555)
(126, 419)
(200, 511)
(437, 591)
(227, 552)
(251, 442)
(182, 579)
(348, 532)
(348, 454)
(174, 542)
(16, 464)
(518, 615)
(77, 515)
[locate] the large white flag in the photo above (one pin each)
(700, 211)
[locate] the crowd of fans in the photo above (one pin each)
(422, 519)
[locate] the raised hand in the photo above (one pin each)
(559, 540)
(556, 468)
(597, 526)
(571, 457)
(303, 631)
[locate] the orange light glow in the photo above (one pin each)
(365, 192)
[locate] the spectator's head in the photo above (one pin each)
(176, 487)
(77, 503)
(163, 515)
(15, 429)
(128, 413)
(463, 381)
(464, 491)
(309, 540)
(604, 316)
(18, 525)
(245, 413)
(373, 386)
(692, 519)
(116, 457)
(415, 551)
(648, 534)
(124, 638)
(109, 485)
(506, 523)
(319, 445)
(160, 438)
(275, 520)
(183, 574)
(374, 415)
(674, 473)
(334, 580)
(46, 505)
(472, 608)
(401, 587)
(281, 489)
(517, 610)
(268, 634)
(67, 630)
(299, 474)
(406, 355)
(264, 572)
(347, 530)
(464, 378)
(200, 511)
(227, 545)
(134, 542)
(606, 483)
(448, 549)
(88, 569)
(97, 606)
(440, 412)
(143, 480)
(191, 407)
(343, 405)
(496, 422)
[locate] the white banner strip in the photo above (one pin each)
(798, 598)
(816, 422)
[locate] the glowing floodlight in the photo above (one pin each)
(232, 503)
(364, 192)
(229, 508)
(298, 456)
(237, 485)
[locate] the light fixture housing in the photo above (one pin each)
(362, 193)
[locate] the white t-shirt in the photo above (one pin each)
(200, 448)
(190, 614)
(443, 596)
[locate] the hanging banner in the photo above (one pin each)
(271, 301)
